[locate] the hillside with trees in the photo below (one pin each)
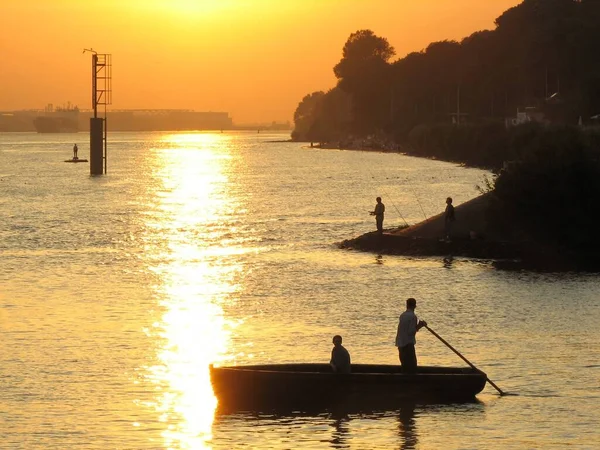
(542, 54)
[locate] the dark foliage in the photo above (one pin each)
(551, 192)
(542, 53)
(488, 144)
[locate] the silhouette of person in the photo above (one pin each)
(408, 325)
(75, 151)
(449, 218)
(378, 213)
(340, 357)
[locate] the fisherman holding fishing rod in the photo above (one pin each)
(378, 213)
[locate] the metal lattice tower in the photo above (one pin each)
(101, 81)
(101, 96)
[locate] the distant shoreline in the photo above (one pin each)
(213, 130)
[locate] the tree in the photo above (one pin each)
(362, 50)
(538, 48)
(364, 73)
(305, 114)
(322, 117)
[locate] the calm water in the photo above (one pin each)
(116, 292)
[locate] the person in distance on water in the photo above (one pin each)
(378, 213)
(340, 358)
(408, 325)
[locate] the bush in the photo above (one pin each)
(552, 190)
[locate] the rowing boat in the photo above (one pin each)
(304, 384)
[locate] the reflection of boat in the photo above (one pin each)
(59, 120)
(310, 384)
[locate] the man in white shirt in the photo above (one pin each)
(408, 326)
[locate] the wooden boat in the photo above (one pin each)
(309, 384)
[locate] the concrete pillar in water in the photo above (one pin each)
(96, 146)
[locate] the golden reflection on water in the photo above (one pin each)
(192, 332)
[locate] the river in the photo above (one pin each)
(118, 291)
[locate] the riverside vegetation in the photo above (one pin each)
(451, 100)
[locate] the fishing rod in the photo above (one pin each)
(391, 201)
(394, 205)
(419, 203)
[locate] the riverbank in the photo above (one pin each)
(471, 238)
(371, 143)
(522, 255)
(486, 146)
(538, 207)
(389, 146)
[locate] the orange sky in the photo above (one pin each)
(255, 59)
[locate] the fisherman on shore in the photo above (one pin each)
(75, 151)
(408, 325)
(378, 213)
(449, 218)
(340, 357)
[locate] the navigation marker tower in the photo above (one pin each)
(101, 96)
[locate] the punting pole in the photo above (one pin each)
(465, 359)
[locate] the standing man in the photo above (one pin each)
(408, 326)
(378, 213)
(448, 217)
(75, 151)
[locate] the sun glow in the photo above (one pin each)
(192, 331)
(190, 7)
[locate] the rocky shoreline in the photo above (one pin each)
(518, 255)
(472, 237)
(394, 244)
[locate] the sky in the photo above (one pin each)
(255, 59)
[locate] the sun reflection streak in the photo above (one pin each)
(195, 283)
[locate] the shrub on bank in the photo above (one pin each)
(486, 145)
(551, 191)
(548, 182)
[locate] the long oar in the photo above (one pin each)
(464, 359)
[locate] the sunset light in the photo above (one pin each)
(209, 55)
(206, 8)
(299, 224)
(193, 289)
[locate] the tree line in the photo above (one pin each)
(542, 53)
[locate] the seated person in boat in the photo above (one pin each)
(340, 358)
(408, 325)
